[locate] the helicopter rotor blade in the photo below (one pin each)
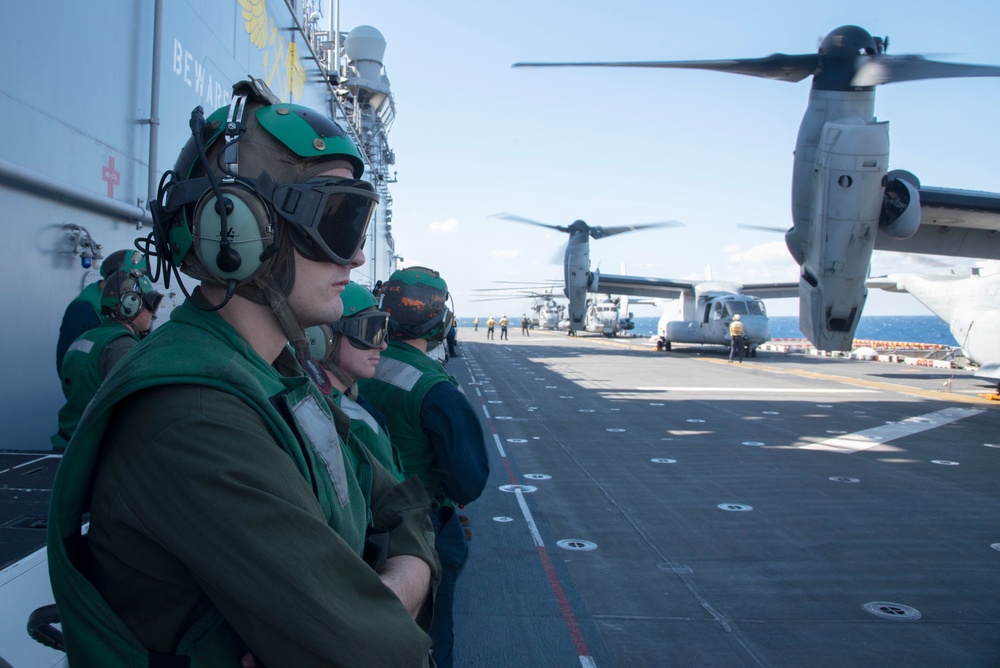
(559, 254)
(761, 228)
(528, 221)
(598, 232)
(881, 69)
(778, 66)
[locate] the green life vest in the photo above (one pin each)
(366, 429)
(402, 379)
(81, 375)
(92, 295)
(94, 634)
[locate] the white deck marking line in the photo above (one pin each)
(862, 440)
(496, 438)
(486, 412)
(32, 462)
(537, 537)
(768, 390)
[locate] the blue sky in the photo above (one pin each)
(474, 137)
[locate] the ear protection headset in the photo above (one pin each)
(214, 224)
(232, 226)
(320, 341)
(122, 294)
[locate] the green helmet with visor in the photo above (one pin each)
(363, 325)
(416, 299)
(123, 259)
(250, 178)
(126, 293)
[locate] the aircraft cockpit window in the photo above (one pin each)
(756, 307)
(732, 308)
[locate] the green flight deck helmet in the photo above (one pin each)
(363, 325)
(126, 293)
(123, 259)
(248, 182)
(416, 300)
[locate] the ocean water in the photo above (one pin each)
(906, 328)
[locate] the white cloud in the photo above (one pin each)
(442, 226)
(508, 254)
(770, 252)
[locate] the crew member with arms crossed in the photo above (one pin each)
(226, 525)
(432, 425)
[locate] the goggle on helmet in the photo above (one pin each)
(328, 217)
(126, 293)
(365, 331)
(364, 326)
(416, 299)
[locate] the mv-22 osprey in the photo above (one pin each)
(845, 201)
(691, 311)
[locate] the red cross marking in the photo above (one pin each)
(112, 176)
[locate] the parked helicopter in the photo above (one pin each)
(969, 304)
(576, 259)
(845, 201)
(692, 311)
(602, 317)
(548, 313)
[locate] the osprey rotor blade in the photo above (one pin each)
(599, 232)
(881, 69)
(778, 66)
(527, 221)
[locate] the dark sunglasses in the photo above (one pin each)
(365, 331)
(329, 216)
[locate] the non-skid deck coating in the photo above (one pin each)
(671, 509)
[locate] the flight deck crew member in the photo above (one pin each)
(737, 339)
(476, 324)
(349, 350)
(490, 324)
(525, 323)
(84, 312)
(503, 327)
(129, 302)
(432, 424)
(452, 338)
(226, 527)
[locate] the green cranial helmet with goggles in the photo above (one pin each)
(123, 259)
(263, 160)
(363, 326)
(126, 293)
(248, 188)
(417, 302)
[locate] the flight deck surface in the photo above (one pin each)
(671, 509)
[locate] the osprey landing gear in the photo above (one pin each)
(662, 344)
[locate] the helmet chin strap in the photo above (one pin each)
(333, 356)
(293, 330)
